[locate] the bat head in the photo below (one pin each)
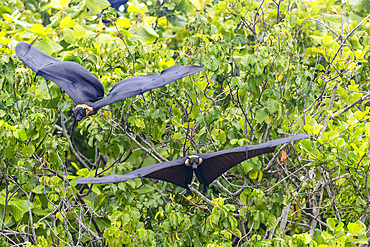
(79, 113)
(193, 161)
(82, 111)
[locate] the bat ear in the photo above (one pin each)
(187, 162)
(200, 160)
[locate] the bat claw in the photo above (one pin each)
(142, 95)
(141, 178)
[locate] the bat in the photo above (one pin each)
(207, 167)
(85, 89)
(117, 3)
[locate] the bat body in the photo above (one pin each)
(85, 89)
(207, 167)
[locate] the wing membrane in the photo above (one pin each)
(215, 164)
(79, 83)
(140, 84)
(170, 171)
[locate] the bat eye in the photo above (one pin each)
(200, 160)
(187, 162)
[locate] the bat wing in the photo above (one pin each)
(269, 147)
(79, 83)
(215, 164)
(140, 84)
(170, 171)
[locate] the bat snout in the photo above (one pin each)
(79, 113)
(193, 161)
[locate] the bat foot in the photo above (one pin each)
(188, 191)
(205, 190)
(141, 178)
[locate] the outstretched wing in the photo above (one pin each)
(170, 171)
(140, 84)
(215, 164)
(80, 84)
(269, 147)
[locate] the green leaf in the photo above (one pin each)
(307, 238)
(248, 166)
(339, 226)
(78, 31)
(123, 22)
(326, 235)
(140, 33)
(64, 3)
(144, 189)
(318, 128)
(22, 135)
(232, 133)
(331, 223)
(9, 152)
(59, 216)
(261, 115)
(236, 124)
(68, 35)
(271, 220)
(133, 9)
(199, 4)
(114, 216)
(39, 189)
(75, 165)
(96, 190)
(116, 150)
(245, 61)
(355, 228)
(28, 150)
(201, 84)
(66, 22)
(16, 211)
(96, 6)
(361, 238)
(326, 40)
(150, 30)
(186, 224)
(309, 129)
(60, 4)
(317, 38)
(219, 134)
(272, 106)
(45, 46)
(253, 174)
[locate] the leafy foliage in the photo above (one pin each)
(273, 68)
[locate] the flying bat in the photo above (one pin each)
(207, 167)
(85, 89)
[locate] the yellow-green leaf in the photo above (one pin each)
(37, 28)
(133, 9)
(199, 4)
(7, 18)
(78, 32)
(66, 22)
(123, 22)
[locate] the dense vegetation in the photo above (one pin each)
(273, 69)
